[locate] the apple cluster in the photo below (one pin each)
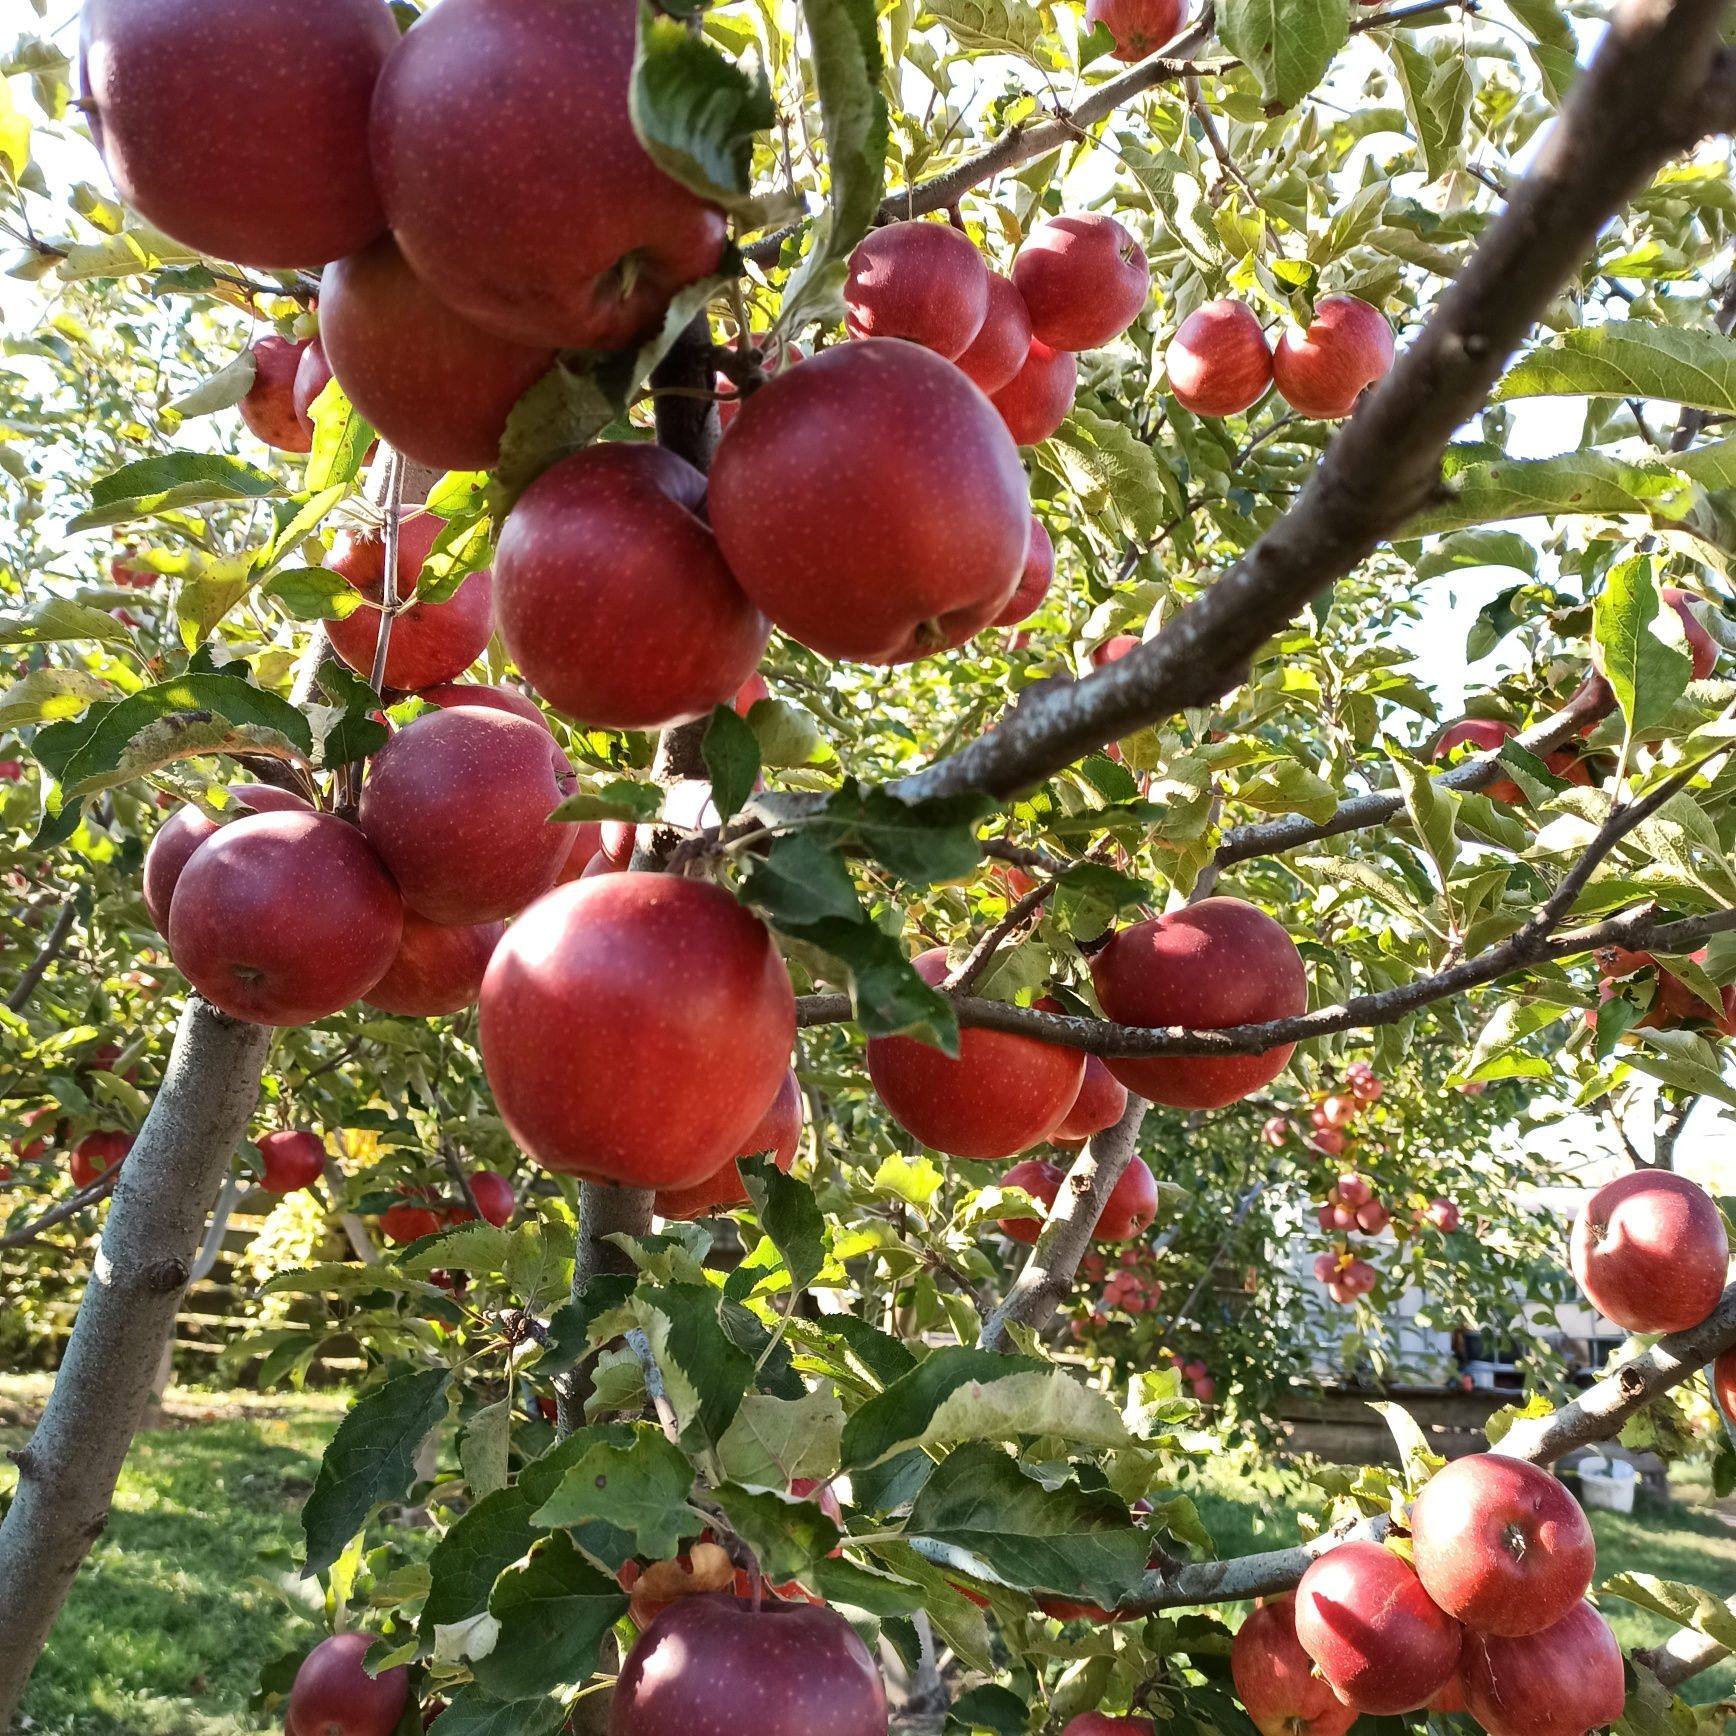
(1220, 363)
(1488, 1616)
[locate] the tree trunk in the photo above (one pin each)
(68, 1469)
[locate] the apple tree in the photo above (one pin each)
(732, 687)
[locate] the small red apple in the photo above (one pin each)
(1276, 1681)
(610, 549)
(1443, 1214)
(1650, 1253)
(1131, 1205)
(1002, 1095)
(1363, 1617)
(1275, 1131)
(1034, 582)
(1326, 1265)
(1042, 1181)
(285, 918)
(335, 1696)
(292, 1161)
(494, 1197)
(1564, 1681)
(1101, 1102)
(1084, 278)
(96, 1154)
(1723, 1379)
(779, 1131)
(999, 349)
(1102, 1724)
(1501, 1545)
(438, 969)
(171, 849)
(312, 375)
(1322, 371)
(1352, 1191)
(1486, 735)
(269, 408)
(1036, 400)
(409, 1221)
(1372, 1218)
(1339, 1110)
(1215, 963)
(1219, 362)
(922, 281)
(1702, 647)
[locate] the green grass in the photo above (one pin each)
(191, 1589)
(178, 1606)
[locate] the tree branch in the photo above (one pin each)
(163, 1194)
(1657, 80)
(46, 954)
(69, 1207)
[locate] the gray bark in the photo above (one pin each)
(67, 1470)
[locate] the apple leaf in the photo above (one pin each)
(1486, 487)
(312, 594)
(1113, 471)
(790, 1215)
(496, 1531)
(1642, 647)
(553, 1612)
(371, 1458)
(1478, 548)
(799, 881)
(1687, 1606)
(222, 391)
(172, 482)
(786, 1533)
(696, 112)
(900, 1416)
(990, 1709)
(341, 440)
(463, 1248)
(775, 1440)
(1437, 98)
(57, 621)
(1075, 1542)
(1629, 359)
(471, 1712)
(731, 753)
(923, 842)
(888, 997)
(643, 1487)
(619, 799)
(484, 1443)
(704, 1373)
(1287, 44)
(50, 696)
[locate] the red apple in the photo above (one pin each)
(96, 1154)
(587, 850)
(431, 642)
(912, 546)
(335, 1696)
(405, 1223)
(1352, 1191)
(1723, 1379)
(1486, 735)
(1219, 362)
(438, 969)
(778, 1132)
(1650, 1253)
(1101, 1102)
(607, 550)
(171, 849)
(1219, 962)
(458, 806)
(1036, 401)
(729, 396)
(1501, 1545)
(1372, 1218)
(494, 1197)
(1140, 27)
(1131, 1205)
(285, 918)
(1322, 371)
(716, 1664)
(1275, 1131)
(1564, 1681)
(1003, 1094)
(1113, 650)
(436, 386)
(1443, 1214)
(1364, 1083)
(584, 252)
(1326, 1265)
(276, 171)
(922, 281)
(751, 692)
(1363, 1617)
(25, 1149)
(999, 350)
(1615, 962)
(635, 1029)
(1034, 582)
(269, 408)
(1702, 647)
(292, 1161)
(267, 799)
(1085, 280)
(1339, 1110)
(1275, 1679)
(1359, 1278)
(313, 373)
(1042, 1181)
(1100, 1723)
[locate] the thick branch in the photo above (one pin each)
(1645, 96)
(67, 1471)
(1047, 1276)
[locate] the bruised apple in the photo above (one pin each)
(1219, 962)
(1650, 1253)
(610, 548)
(778, 1132)
(438, 968)
(921, 281)
(912, 545)
(635, 1028)
(1276, 1681)
(1005, 1092)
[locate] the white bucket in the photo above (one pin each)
(1608, 1483)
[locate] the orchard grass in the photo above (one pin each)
(165, 1634)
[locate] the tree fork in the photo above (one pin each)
(164, 1193)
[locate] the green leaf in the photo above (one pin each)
(483, 1446)
(1287, 786)
(222, 391)
(993, 26)
(924, 842)
(1433, 809)
(470, 1712)
(644, 1488)
(961, 1394)
(1067, 1540)
(196, 714)
(312, 594)
(56, 621)
(1287, 44)
(1629, 359)
(788, 1534)
(1687, 1606)
(1644, 652)
(1113, 471)
(371, 1458)
(790, 1215)
(1478, 548)
(787, 734)
(553, 1612)
(696, 112)
(1437, 97)
(988, 1708)
(800, 881)
(341, 440)
(560, 415)
(731, 753)
(1486, 489)
(619, 799)
(839, 1581)
(1553, 48)
(50, 696)
(888, 997)
(704, 1373)
(169, 483)
(772, 1441)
